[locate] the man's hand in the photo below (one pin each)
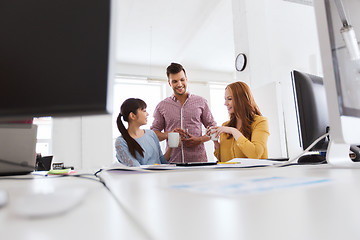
(193, 141)
(184, 135)
(161, 135)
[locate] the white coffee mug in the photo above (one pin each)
(173, 139)
(213, 135)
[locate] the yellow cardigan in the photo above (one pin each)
(243, 147)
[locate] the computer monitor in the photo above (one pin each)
(311, 110)
(56, 57)
(340, 59)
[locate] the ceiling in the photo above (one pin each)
(195, 33)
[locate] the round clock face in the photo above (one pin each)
(240, 62)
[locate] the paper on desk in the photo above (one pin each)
(143, 168)
(235, 163)
(149, 168)
(116, 166)
(249, 162)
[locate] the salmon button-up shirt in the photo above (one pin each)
(195, 112)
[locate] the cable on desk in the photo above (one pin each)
(83, 176)
(290, 162)
(97, 172)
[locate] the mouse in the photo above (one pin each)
(312, 159)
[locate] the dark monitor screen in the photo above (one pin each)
(311, 109)
(55, 57)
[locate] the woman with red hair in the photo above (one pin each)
(245, 135)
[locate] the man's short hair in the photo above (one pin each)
(174, 68)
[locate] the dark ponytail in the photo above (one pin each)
(130, 105)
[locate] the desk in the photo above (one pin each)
(147, 207)
(97, 217)
(329, 210)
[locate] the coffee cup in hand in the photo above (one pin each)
(213, 135)
(173, 139)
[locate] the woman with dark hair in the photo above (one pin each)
(245, 135)
(136, 146)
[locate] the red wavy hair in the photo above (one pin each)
(244, 107)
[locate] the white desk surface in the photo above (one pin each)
(150, 207)
(97, 217)
(329, 210)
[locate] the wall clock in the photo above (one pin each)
(240, 62)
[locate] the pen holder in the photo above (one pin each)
(43, 163)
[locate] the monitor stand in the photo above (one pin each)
(312, 159)
(338, 155)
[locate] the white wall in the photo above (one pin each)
(159, 72)
(269, 101)
(66, 137)
(83, 142)
(281, 37)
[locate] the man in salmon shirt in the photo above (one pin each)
(184, 113)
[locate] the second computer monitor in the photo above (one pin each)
(311, 109)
